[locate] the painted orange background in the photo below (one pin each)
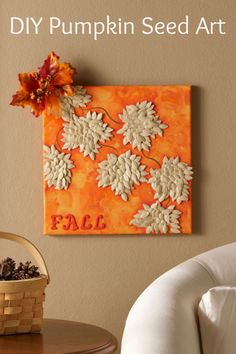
(84, 197)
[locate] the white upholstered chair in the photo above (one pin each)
(164, 319)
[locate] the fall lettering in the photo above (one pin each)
(69, 222)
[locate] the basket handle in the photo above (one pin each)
(30, 248)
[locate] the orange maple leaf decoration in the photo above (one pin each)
(41, 90)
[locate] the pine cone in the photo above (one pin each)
(7, 267)
(25, 271)
(8, 270)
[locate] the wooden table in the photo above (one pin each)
(61, 337)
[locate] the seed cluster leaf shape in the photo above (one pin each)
(57, 168)
(141, 124)
(171, 180)
(80, 98)
(121, 173)
(86, 133)
(157, 219)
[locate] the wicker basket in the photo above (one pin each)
(21, 301)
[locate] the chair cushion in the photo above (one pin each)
(217, 318)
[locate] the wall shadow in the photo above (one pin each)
(197, 93)
(88, 76)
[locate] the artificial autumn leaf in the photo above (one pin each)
(41, 90)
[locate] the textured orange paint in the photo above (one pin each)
(84, 197)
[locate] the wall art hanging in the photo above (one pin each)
(117, 159)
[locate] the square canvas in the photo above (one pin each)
(118, 162)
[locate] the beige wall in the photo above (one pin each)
(96, 279)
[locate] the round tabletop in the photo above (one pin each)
(61, 337)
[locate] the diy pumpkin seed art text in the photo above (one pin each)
(115, 27)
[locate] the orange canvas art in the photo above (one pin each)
(118, 161)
